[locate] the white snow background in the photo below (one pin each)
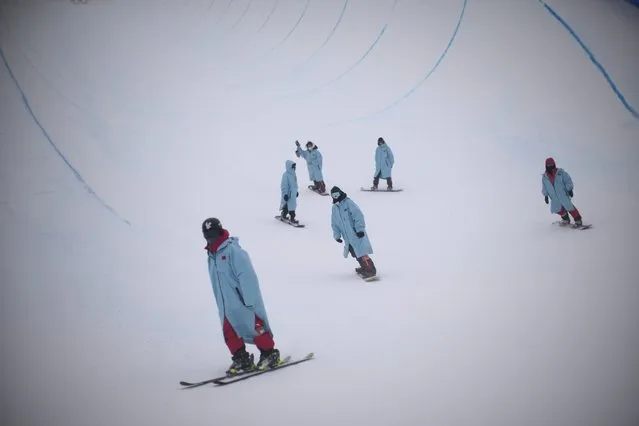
(173, 111)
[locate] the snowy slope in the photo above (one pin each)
(151, 116)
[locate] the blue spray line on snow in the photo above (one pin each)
(592, 59)
(414, 89)
(77, 174)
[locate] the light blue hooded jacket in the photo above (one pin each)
(346, 220)
(313, 161)
(558, 191)
(236, 288)
(384, 161)
(289, 187)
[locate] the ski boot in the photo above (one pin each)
(242, 363)
(565, 219)
(269, 359)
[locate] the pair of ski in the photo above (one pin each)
(234, 378)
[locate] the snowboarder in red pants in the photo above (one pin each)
(556, 185)
(237, 294)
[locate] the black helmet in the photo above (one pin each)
(211, 229)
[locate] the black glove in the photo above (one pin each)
(297, 143)
(571, 193)
(298, 194)
(339, 240)
(286, 197)
(546, 199)
(360, 234)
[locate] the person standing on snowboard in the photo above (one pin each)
(349, 227)
(384, 161)
(289, 189)
(557, 185)
(239, 301)
(314, 163)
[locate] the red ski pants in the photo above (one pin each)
(574, 213)
(263, 341)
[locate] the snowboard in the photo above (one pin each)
(369, 279)
(287, 221)
(573, 225)
(317, 192)
(382, 190)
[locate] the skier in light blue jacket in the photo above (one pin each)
(349, 227)
(314, 163)
(384, 161)
(289, 191)
(239, 301)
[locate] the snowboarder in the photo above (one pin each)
(384, 161)
(239, 301)
(349, 227)
(314, 162)
(557, 185)
(289, 190)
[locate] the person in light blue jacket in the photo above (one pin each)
(384, 162)
(557, 185)
(289, 191)
(239, 301)
(349, 227)
(314, 163)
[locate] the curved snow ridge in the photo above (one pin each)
(356, 63)
(246, 9)
(297, 68)
(268, 17)
(76, 173)
(297, 24)
(330, 35)
(422, 81)
(593, 59)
